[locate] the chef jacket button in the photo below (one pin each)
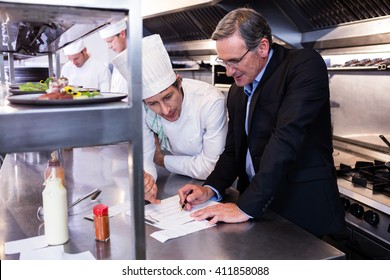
(264, 209)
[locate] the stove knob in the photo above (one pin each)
(345, 202)
(371, 217)
(356, 210)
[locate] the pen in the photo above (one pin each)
(150, 221)
(185, 200)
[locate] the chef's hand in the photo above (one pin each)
(222, 212)
(199, 195)
(158, 154)
(150, 189)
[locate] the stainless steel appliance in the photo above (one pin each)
(364, 185)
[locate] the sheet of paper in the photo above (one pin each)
(168, 213)
(180, 230)
(48, 253)
(17, 246)
(113, 210)
(54, 253)
(87, 255)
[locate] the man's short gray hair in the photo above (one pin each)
(250, 24)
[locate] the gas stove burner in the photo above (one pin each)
(362, 164)
(357, 180)
(373, 175)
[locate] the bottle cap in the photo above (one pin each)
(54, 161)
(100, 210)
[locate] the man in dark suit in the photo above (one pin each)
(279, 142)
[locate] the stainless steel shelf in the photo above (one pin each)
(360, 68)
(36, 129)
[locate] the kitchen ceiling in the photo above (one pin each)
(186, 26)
(299, 23)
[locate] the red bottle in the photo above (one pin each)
(101, 222)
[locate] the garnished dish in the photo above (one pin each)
(35, 86)
(69, 92)
(59, 92)
(30, 87)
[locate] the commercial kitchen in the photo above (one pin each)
(353, 37)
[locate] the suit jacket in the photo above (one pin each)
(290, 142)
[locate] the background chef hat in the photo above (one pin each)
(157, 72)
(113, 29)
(74, 48)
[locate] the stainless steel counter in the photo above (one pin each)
(21, 178)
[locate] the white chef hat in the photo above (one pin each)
(74, 48)
(120, 63)
(113, 29)
(157, 72)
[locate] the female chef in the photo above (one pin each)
(185, 120)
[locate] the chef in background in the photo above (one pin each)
(185, 120)
(83, 70)
(116, 38)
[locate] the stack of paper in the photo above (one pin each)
(174, 221)
(36, 248)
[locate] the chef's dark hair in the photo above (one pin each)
(177, 82)
(250, 24)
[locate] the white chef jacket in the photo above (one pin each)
(118, 83)
(196, 139)
(93, 74)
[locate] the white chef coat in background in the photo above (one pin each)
(118, 83)
(196, 139)
(93, 74)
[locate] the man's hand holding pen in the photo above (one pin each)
(185, 201)
(191, 195)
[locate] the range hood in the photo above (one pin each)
(41, 29)
(186, 26)
(321, 25)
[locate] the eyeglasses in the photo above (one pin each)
(232, 63)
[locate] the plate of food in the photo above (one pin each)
(56, 99)
(51, 84)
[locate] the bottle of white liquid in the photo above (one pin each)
(55, 210)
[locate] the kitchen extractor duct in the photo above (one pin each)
(186, 26)
(321, 25)
(39, 30)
